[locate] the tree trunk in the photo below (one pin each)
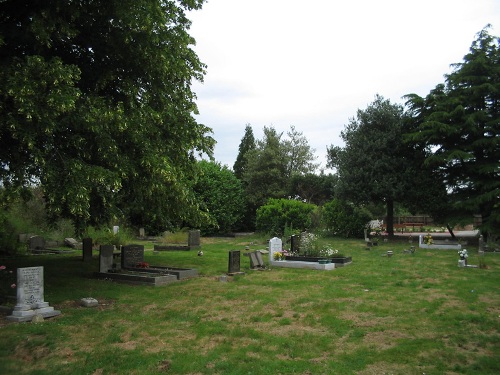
(390, 217)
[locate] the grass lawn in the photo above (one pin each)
(407, 314)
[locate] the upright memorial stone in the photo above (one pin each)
(234, 262)
(30, 300)
(87, 249)
(106, 258)
(275, 245)
(194, 238)
(132, 256)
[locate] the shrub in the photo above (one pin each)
(344, 219)
(273, 217)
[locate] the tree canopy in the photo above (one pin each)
(221, 196)
(96, 106)
(459, 125)
(373, 164)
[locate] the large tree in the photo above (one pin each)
(373, 166)
(247, 144)
(96, 106)
(459, 124)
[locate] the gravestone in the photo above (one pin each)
(87, 249)
(71, 242)
(275, 245)
(234, 262)
(194, 238)
(30, 299)
(132, 255)
(142, 233)
(36, 243)
(116, 229)
(254, 263)
(106, 258)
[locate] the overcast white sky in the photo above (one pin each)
(313, 63)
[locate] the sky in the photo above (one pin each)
(313, 64)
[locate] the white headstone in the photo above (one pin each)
(275, 244)
(116, 229)
(30, 300)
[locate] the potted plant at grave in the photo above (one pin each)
(428, 239)
(462, 262)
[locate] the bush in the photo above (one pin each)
(273, 217)
(344, 219)
(105, 236)
(9, 244)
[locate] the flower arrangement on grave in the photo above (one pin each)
(7, 282)
(279, 255)
(463, 254)
(310, 246)
(142, 265)
(428, 239)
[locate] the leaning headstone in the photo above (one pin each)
(36, 243)
(260, 259)
(132, 255)
(275, 245)
(106, 258)
(234, 262)
(194, 238)
(71, 242)
(30, 299)
(254, 263)
(87, 249)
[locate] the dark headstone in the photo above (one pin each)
(234, 262)
(36, 243)
(87, 249)
(106, 258)
(194, 238)
(132, 255)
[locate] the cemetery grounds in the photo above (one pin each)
(406, 314)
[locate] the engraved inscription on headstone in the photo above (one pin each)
(132, 255)
(30, 300)
(234, 261)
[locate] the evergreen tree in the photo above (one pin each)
(459, 124)
(247, 144)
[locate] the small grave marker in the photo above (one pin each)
(30, 299)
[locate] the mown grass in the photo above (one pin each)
(408, 314)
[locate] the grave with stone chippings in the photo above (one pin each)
(129, 266)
